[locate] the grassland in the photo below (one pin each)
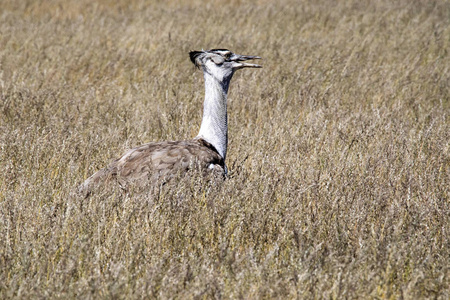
(338, 153)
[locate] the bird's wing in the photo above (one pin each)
(155, 160)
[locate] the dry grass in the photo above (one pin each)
(344, 189)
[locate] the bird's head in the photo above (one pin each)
(221, 63)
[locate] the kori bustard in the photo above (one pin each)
(154, 161)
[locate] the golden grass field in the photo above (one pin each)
(338, 155)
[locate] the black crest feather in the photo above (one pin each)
(193, 56)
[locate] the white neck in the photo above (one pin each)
(214, 128)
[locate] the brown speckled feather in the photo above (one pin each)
(152, 162)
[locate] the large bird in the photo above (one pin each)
(159, 161)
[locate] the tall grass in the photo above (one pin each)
(338, 153)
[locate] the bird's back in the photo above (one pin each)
(158, 161)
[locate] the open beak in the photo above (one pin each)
(239, 64)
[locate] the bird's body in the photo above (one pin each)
(159, 161)
(152, 162)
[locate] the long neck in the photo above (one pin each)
(214, 128)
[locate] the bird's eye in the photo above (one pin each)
(217, 60)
